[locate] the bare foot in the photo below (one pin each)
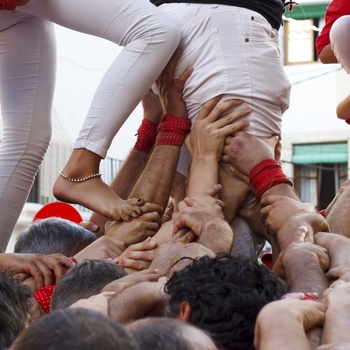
(97, 196)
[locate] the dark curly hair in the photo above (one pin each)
(226, 294)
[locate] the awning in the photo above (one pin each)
(321, 153)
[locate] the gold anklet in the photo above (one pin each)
(79, 179)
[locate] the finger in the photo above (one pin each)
(41, 273)
(62, 259)
(130, 263)
(145, 245)
(221, 108)
(231, 121)
(22, 276)
(234, 127)
(270, 199)
(207, 107)
(90, 226)
(168, 72)
(273, 140)
(265, 211)
(213, 190)
(181, 80)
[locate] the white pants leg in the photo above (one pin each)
(234, 52)
(27, 67)
(27, 78)
(340, 41)
(149, 38)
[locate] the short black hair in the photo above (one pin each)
(83, 280)
(75, 329)
(225, 293)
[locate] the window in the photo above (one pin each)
(299, 42)
(319, 171)
(301, 27)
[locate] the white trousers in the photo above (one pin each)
(27, 79)
(340, 41)
(234, 52)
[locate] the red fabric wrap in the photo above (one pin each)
(265, 175)
(43, 296)
(73, 260)
(8, 5)
(146, 136)
(172, 130)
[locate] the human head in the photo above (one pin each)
(84, 280)
(158, 333)
(14, 308)
(75, 329)
(223, 296)
(53, 235)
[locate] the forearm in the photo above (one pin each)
(282, 190)
(125, 180)
(336, 327)
(217, 235)
(203, 174)
(304, 274)
(278, 331)
(287, 337)
(155, 183)
(338, 216)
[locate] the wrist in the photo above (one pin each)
(146, 136)
(266, 175)
(172, 130)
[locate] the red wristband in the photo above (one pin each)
(265, 175)
(9, 5)
(146, 136)
(172, 130)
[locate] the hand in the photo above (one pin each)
(45, 269)
(184, 235)
(300, 254)
(168, 255)
(170, 90)
(98, 302)
(137, 256)
(103, 248)
(278, 323)
(212, 126)
(338, 248)
(197, 212)
(138, 229)
(342, 192)
(278, 209)
(300, 227)
(244, 150)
